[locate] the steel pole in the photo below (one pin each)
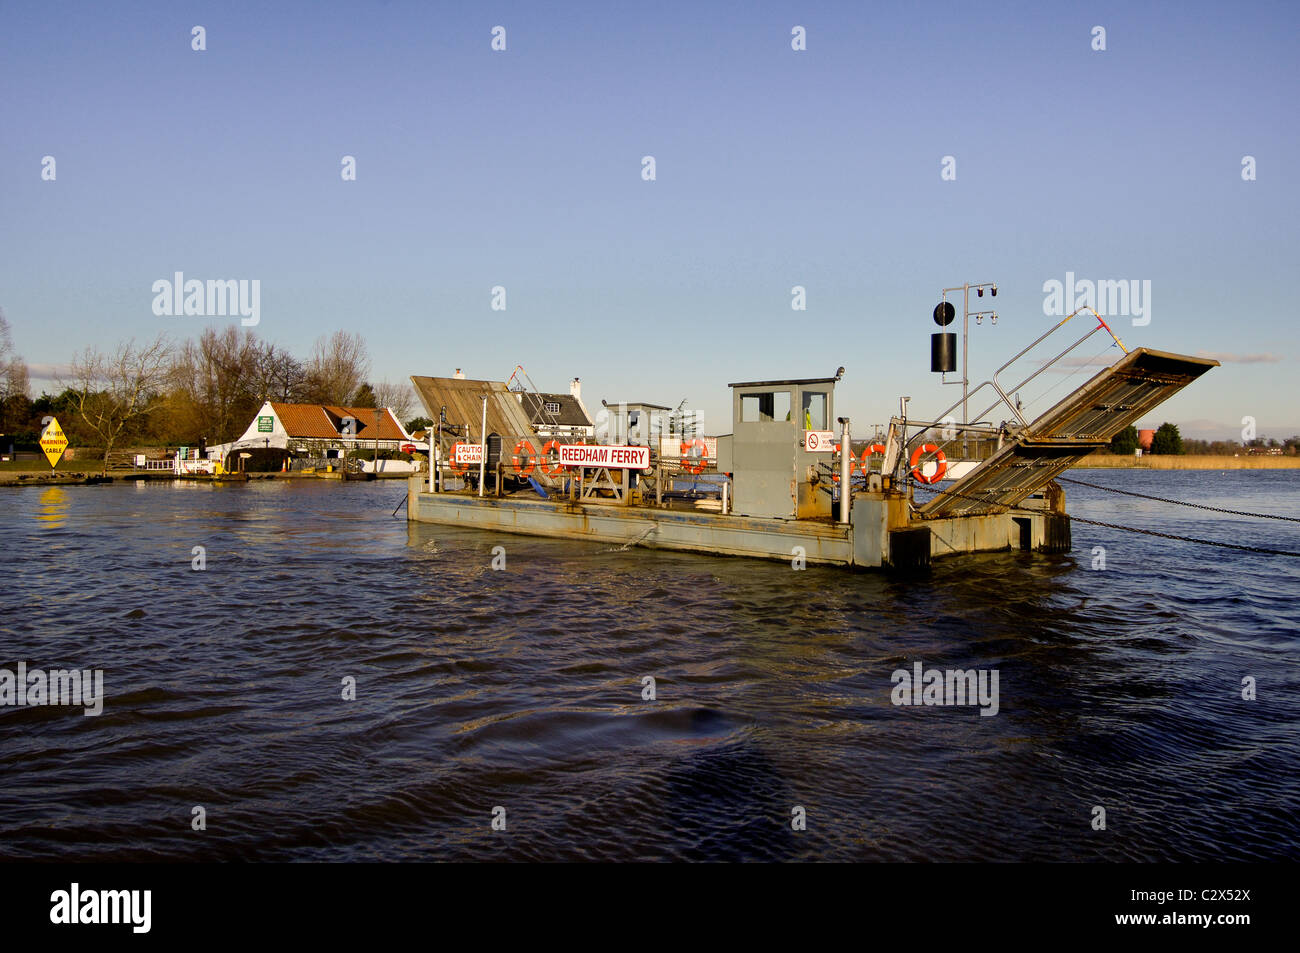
(965, 354)
(482, 437)
(966, 332)
(846, 456)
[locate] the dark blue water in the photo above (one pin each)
(522, 688)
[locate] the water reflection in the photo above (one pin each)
(55, 503)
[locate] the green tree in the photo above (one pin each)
(1167, 440)
(364, 397)
(1125, 442)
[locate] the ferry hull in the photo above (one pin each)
(879, 535)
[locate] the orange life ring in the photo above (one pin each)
(867, 454)
(939, 459)
(695, 464)
(525, 449)
(556, 469)
(854, 466)
(458, 467)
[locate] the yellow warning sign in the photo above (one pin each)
(53, 442)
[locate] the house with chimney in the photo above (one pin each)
(563, 416)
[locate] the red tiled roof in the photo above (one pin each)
(320, 422)
(305, 420)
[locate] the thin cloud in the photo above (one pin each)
(1097, 360)
(48, 372)
(1225, 358)
(1073, 363)
(1106, 360)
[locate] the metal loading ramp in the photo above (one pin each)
(1068, 432)
(460, 400)
(460, 403)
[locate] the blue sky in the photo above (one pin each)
(775, 168)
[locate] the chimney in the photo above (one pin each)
(575, 388)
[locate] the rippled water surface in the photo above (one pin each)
(523, 688)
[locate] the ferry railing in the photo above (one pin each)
(971, 442)
(169, 463)
(1004, 392)
(525, 385)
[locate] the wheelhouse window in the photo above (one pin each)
(814, 411)
(765, 408)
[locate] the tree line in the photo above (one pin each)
(163, 392)
(1168, 440)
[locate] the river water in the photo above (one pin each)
(522, 689)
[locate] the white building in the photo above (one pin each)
(318, 430)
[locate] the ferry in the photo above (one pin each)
(790, 482)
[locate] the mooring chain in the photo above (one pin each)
(1185, 539)
(1199, 506)
(1130, 529)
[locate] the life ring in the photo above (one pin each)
(525, 449)
(556, 469)
(867, 453)
(694, 464)
(939, 459)
(457, 467)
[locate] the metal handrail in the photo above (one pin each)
(1003, 393)
(535, 393)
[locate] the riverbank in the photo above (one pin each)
(1111, 461)
(49, 477)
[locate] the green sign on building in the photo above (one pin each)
(265, 424)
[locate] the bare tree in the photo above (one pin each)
(337, 367)
(219, 382)
(113, 391)
(216, 377)
(6, 340)
(399, 398)
(277, 375)
(14, 381)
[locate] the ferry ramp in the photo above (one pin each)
(1066, 433)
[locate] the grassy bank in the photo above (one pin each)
(44, 476)
(1190, 462)
(47, 477)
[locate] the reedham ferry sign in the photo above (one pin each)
(622, 458)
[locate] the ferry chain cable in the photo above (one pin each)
(1199, 506)
(1133, 529)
